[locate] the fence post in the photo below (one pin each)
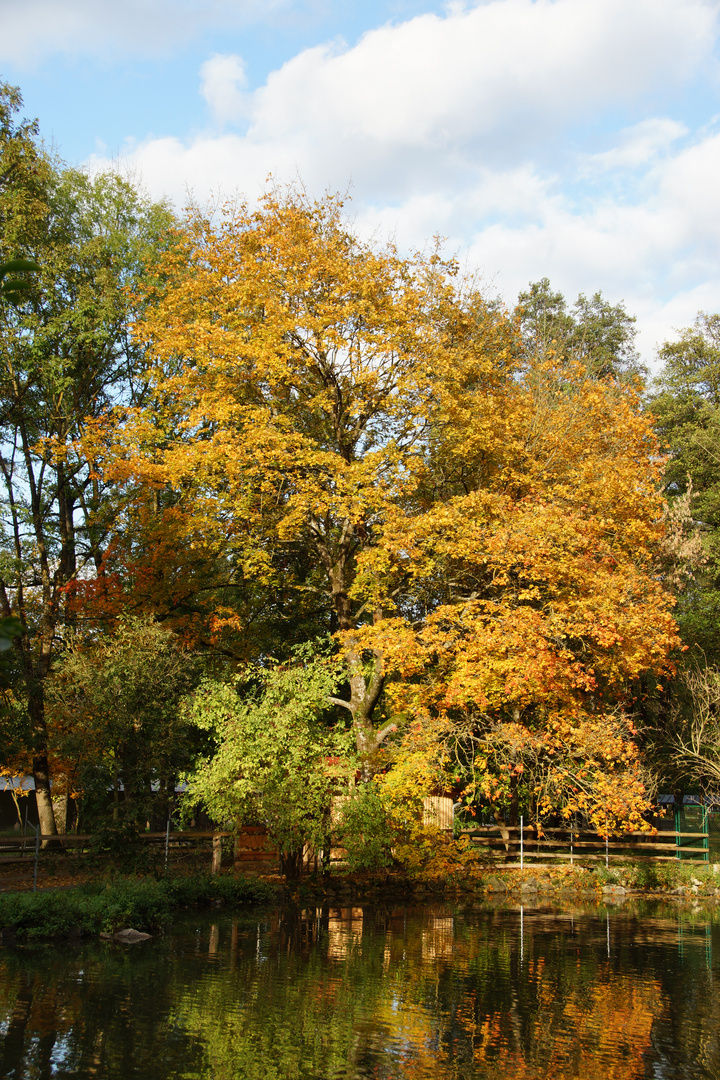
(522, 935)
(706, 830)
(607, 849)
(571, 846)
(37, 852)
(521, 842)
(167, 841)
(217, 854)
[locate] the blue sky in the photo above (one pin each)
(574, 139)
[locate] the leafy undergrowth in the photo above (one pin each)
(440, 864)
(665, 877)
(451, 869)
(142, 903)
(447, 881)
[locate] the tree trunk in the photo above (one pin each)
(46, 815)
(60, 813)
(35, 674)
(365, 688)
(216, 854)
(291, 863)
(504, 831)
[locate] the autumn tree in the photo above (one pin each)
(478, 521)
(538, 589)
(293, 365)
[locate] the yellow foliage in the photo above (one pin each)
(327, 418)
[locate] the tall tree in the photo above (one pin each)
(478, 518)
(686, 405)
(64, 355)
(292, 368)
(600, 334)
(536, 595)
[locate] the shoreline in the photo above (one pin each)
(106, 905)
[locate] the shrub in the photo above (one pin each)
(143, 903)
(365, 831)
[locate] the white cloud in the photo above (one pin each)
(504, 71)
(659, 251)
(222, 82)
(429, 102)
(459, 125)
(689, 182)
(638, 145)
(34, 29)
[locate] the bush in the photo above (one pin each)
(365, 831)
(119, 840)
(143, 903)
(665, 875)
(204, 889)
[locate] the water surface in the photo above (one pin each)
(434, 993)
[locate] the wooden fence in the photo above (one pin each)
(199, 847)
(253, 850)
(505, 843)
(438, 811)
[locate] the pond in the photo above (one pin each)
(440, 992)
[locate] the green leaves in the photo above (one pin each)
(114, 709)
(10, 628)
(686, 408)
(365, 829)
(600, 334)
(279, 755)
(15, 289)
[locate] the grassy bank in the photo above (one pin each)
(148, 903)
(563, 882)
(145, 904)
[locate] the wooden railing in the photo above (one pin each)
(576, 845)
(84, 841)
(252, 848)
(34, 849)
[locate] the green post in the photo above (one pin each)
(706, 830)
(678, 844)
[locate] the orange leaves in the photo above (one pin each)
(541, 600)
(327, 419)
(583, 766)
(559, 553)
(554, 621)
(291, 366)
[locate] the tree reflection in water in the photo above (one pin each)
(395, 994)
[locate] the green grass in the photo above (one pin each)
(143, 903)
(664, 876)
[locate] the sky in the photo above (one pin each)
(577, 140)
